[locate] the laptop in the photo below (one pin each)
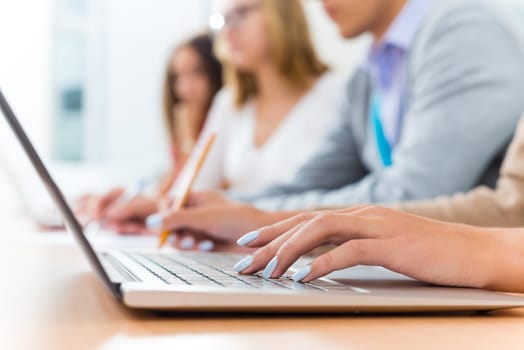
(156, 279)
(45, 216)
(33, 199)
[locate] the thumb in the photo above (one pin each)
(200, 220)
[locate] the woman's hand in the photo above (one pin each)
(94, 206)
(129, 217)
(211, 217)
(427, 250)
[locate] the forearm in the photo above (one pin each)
(480, 207)
(507, 266)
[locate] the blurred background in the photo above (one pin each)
(85, 78)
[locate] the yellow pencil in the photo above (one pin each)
(187, 177)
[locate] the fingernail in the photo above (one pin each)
(172, 238)
(187, 243)
(206, 246)
(248, 238)
(268, 271)
(243, 264)
(154, 222)
(301, 274)
(93, 226)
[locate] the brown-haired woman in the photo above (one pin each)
(193, 78)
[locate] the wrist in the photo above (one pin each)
(272, 217)
(506, 265)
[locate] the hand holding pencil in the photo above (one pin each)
(182, 186)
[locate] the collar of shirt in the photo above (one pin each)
(387, 60)
(392, 48)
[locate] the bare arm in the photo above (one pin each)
(424, 249)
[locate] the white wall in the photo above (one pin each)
(25, 66)
(139, 36)
(25, 72)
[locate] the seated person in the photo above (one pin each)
(193, 78)
(450, 110)
(278, 103)
(429, 114)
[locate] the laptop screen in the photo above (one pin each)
(71, 222)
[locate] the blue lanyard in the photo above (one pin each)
(383, 145)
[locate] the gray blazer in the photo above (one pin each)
(466, 93)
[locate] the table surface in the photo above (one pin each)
(51, 300)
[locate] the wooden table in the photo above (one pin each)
(50, 300)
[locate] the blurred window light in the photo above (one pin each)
(69, 79)
(216, 21)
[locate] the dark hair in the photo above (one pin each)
(203, 45)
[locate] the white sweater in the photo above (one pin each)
(246, 168)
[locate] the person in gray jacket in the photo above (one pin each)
(430, 113)
(450, 78)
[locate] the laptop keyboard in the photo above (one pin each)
(217, 270)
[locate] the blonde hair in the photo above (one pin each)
(291, 49)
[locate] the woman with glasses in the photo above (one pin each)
(279, 99)
(278, 104)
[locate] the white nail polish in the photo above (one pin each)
(154, 222)
(248, 238)
(172, 239)
(243, 264)
(187, 243)
(270, 267)
(206, 246)
(301, 274)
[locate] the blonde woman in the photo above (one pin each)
(279, 99)
(279, 102)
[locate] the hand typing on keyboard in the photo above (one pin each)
(430, 251)
(216, 270)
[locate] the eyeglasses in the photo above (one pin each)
(233, 18)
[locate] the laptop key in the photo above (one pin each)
(158, 271)
(289, 283)
(208, 271)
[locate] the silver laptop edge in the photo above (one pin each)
(70, 220)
